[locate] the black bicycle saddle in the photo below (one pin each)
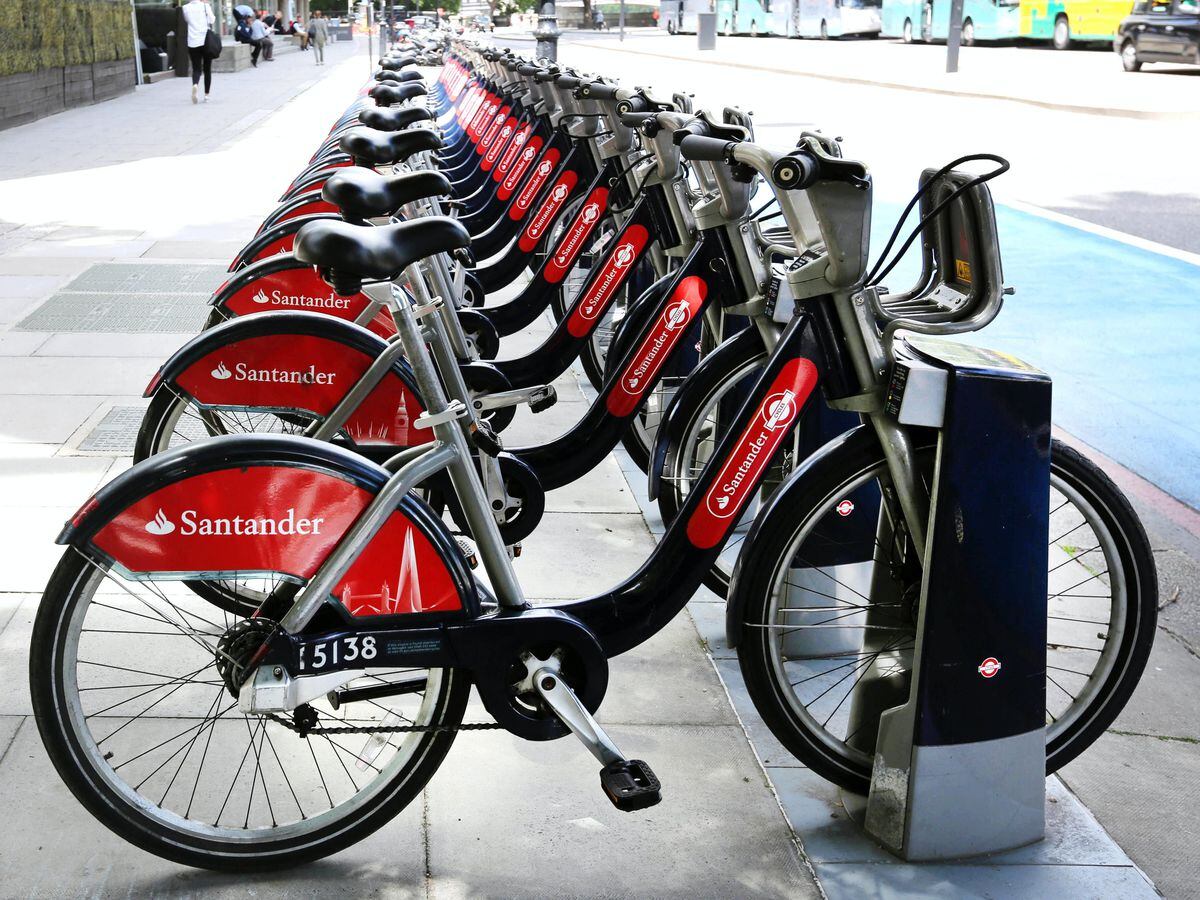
(365, 194)
(390, 76)
(384, 148)
(349, 254)
(395, 64)
(388, 119)
(386, 94)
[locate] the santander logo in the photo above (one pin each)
(778, 411)
(587, 218)
(278, 298)
(160, 524)
(191, 523)
(676, 316)
(242, 372)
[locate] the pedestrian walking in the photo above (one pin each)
(318, 33)
(199, 17)
(260, 39)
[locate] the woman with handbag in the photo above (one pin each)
(202, 41)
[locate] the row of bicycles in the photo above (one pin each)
(261, 639)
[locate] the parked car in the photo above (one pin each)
(1159, 31)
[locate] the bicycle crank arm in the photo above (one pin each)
(629, 783)
(539, 398)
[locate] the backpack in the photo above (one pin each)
(241, 34)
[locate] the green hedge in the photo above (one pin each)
(48, 34)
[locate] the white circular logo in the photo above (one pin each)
(990, 667)
(779, 410)
(678, 315)
(624, 256)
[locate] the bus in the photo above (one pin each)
(929, 20)
(752, 17)
(826, 18)
(1064, 21)
(679, 16)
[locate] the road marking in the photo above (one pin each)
(1103, 231)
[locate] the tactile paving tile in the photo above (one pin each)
(140, 278)
(130, 298)
(117, 431)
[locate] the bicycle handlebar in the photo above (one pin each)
(698, 147)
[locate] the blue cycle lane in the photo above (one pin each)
(1118, 329)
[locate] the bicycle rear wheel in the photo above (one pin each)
(807, 647)
(141, 726)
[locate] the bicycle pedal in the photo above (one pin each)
(630, 784)
(485, 439)
(545, 401)
(468, 554)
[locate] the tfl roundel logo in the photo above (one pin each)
(990, 667)
(779, 410)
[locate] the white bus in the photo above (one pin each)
(826, 18)
(679, 16)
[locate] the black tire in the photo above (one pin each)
(78, 765)
(824, 31)
(776, 534)
(1129, 58)
(906, 35)
(968, 33)
(1062, 33)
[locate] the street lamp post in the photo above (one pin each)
(547, 31)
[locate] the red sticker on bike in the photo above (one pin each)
(501, 141)
(493, 130)
(540, 174)
(603, 287)
(510, 154)
(576, 236)
(283, 244)
(279, 519)
(545, 216)
(671, 325)
(725, 498)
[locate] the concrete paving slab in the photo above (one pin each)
(770, 752)
(1153, 819)
(29, 536)
(666, 681)
(576, 555)
(20, 608)
(603, 489)
(36, 481)
(13, 309)
(42, 265)
(856, 880)
(9, 727)
(1159, 706)
(1179, 595)
(30, 285)
(156, 347)
(53, 849)
(533, 429)
(40, 419)
(579, 845)
(224, 251)
(72, 377)
(20, 343)
(92, 248)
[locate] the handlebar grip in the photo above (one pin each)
(694, 146)
(795, 172)
(632, 105)
(696, 127)
(597, 90)
(635, 119)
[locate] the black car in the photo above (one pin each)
(1160, 31)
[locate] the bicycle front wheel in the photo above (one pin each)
(139, 722)
(820, 631)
